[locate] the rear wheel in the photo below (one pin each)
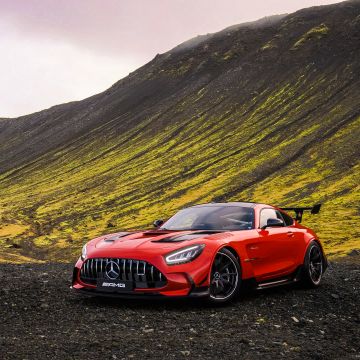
(313, 265)
(225, 277)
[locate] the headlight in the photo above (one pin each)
(184, 255)
(83, 253)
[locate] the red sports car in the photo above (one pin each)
(206, 251)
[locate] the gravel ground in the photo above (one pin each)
(40, 318)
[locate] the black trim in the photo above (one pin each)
(75, 274)
(201, 291)
(196, 293)
(299, 210)
(191, 281)
(282, 280)
(130, 295)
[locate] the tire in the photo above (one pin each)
(314, 265)
(225, 278)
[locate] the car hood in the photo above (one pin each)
(155, 240)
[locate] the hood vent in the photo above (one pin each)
(117, 236)
(155, 232)
(186, 237)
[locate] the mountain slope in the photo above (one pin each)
(264, 112)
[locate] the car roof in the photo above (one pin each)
(229, 204)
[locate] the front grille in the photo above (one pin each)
(142, 273)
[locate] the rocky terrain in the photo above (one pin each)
(265, 111)
(42, 319)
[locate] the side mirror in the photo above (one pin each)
(273, 222)
(158, 223)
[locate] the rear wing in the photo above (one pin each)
(300, 210)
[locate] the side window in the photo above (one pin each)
(287, 219)
(267, 214)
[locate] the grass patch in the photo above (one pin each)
(316, 33)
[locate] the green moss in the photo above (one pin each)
(316, 33)
(269, 45)
(228, 55)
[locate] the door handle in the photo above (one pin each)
(254, 247)
(290, 233)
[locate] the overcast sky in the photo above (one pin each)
(54, 51)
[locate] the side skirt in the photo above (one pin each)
(290, 279)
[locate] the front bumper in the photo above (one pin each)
(187, 280)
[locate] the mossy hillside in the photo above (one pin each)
(88, 200)
(284, 132)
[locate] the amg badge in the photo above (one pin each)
(109, 284)
(115, 285)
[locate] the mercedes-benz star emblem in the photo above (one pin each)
(112, 270)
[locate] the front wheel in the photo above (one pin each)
(313, 265)
(225, 277)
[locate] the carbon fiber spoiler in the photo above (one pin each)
(300, 210)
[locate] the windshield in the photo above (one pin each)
(230, 218)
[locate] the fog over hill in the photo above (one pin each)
(260, 113)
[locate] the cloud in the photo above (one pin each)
(137, 26)
(37, 74)
(56, 51)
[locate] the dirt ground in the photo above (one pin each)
(41, 318)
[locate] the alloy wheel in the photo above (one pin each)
(224, 277)
(315, 264)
